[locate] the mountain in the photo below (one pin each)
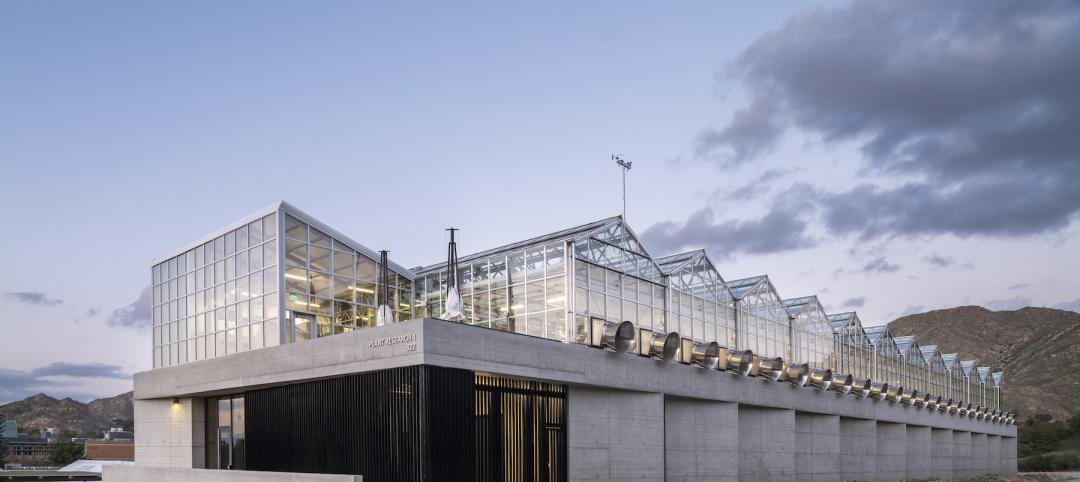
(40, 411)
(1038, 348)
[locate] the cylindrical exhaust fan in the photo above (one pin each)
(878, 390)
(908, 398)
(664, 346)
(706, 355)
(893, 394)
(797, 374)
(861, 387)
(842, 383)
(771, 368)
(820, 379)
(739, 361)
(618, 336)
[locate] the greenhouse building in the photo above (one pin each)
(284, 347)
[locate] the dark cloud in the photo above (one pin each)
(939, 260)
(56, 379)
(972, 104)
(784, 228)
(33, 298)
(756, 188)
(136, 314)
(880, 265)
(856, 302)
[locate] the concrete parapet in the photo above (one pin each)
(941, 453)
(817, 446)
(961, 455)
(891, 448)
(919, 453)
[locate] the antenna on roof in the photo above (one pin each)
(625, 165)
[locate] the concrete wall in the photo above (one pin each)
(918, 456)
(701, 440)
(996, 461)
(858, 449)
(941, 457)
(139, 473)
(615, 435)
(766, 443)
(617, 409)
(817, 447)
(170, 434)
(891, 451)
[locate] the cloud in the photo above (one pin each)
(136, 314)
(970, 106)
(856, 302)
(784, 228)
(755, 188)
(1019, 286)
(880, 265)
(1073, 305)
(1009, 304)
(33, 298)
(57, 379)
(939, 260)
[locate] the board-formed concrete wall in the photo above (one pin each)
(140, 473)
(817, 447)
(630, 417)
(701, 440)
(615, 435)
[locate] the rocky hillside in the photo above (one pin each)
(40, 411)
(1039, 349)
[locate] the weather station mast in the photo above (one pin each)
(624, 167)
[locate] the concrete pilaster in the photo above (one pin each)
(766, 443)
(858, 449)
(817, 447)
(891, 445)
(170, 434)
(615, 435)
(961, 455)
(701, 441)
(941, 454)
(918, 456)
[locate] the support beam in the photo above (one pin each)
(615, 435)
(766, 443)
(817, 447)
(701, 440)
(858, 449)
(891, 445)
(941, 456)
(919, 453)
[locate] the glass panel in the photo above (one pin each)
(320, 284)
(320, 258)
(324, 326)
(556, 260)
(270, 226)
(344, 264)
(302, 326)
(255, 233)
(534, 261)
(241, 238)
(320, 238)
(270, 254)
(295, 229)
(296, 253)
(365, 269)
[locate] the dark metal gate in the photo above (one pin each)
(520, 430)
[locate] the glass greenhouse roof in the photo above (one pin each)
(984, 373)
(795, 306)
(903, 343)
(950, 360)
(997, 376)
(928, 352)
(874, 333)
(740, 287)
(968, 366)
(670, 264)
(840, 321)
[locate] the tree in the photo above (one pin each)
(65, 452)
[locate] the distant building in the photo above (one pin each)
(116, 433)
(10, 429)
(110, 450)
(28, 450)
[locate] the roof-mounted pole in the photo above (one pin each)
(384, 316)
(452, 310)
(625, 166)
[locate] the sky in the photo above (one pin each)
(891, 157)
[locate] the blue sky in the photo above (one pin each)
(835, 147)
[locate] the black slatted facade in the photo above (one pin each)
(412, 424)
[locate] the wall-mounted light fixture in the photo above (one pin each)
(176, 401)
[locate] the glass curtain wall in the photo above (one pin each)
(998, 378)
(886, 355)
(937, 375)
(762, 321)
(970, 380)
(702, 307)
(811, 332)
(855, 354)
(985, 386)
(219, 297)
(332, 288)
(954, 376)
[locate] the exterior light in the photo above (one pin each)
(176, 401)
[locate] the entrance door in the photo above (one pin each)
(303, 326)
